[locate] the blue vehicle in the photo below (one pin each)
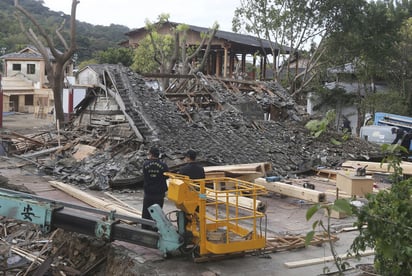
(383, 123)
(387, 119)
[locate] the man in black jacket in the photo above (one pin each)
(402, 135)
(155, 186)
(192, 168)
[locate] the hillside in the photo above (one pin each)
(90, 38)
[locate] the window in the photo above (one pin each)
(31, 69)
(28, 99)
(16, 67)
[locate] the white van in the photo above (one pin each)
(377, 134)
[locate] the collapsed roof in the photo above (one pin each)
(229, 134)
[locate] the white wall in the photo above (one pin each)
(78, 96)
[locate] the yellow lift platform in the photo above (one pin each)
(213, 221)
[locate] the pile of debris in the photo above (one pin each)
(25, 250)
(137, 116)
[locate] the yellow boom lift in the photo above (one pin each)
(212, 221)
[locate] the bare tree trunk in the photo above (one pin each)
(55, 71)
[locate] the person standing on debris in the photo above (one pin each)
(192, 169)
(346, 127)
(400, 133)
(405, 138)
(155, 186)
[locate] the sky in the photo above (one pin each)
(133, 13)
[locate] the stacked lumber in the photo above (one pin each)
(327, 173)
(292, 191)
(290, 242)
(247, 172)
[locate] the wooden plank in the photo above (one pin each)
(341, 194)
(82, 151)
(127, 206)
(241, 201)
(35, 141)
(328, 173)
(214, 174)
(378, 167)
(92, 200)
(255, 167)
(293, 191)
(321, 260)
(41, 152)
(281, 243)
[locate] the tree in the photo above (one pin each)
(387, 216)
(116, 55)
(165, 48)
(371, 42)
(55, 70)
(401, 65)
(143, 60)
(292, 26)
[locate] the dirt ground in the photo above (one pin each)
(25, 123)
(285, 216)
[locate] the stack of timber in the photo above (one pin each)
(246, 172)
(273, 244)
(290, 242)
(292, 191)
(327, 173)
(373, 167)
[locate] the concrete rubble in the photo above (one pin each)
(231, 134)
(105, 143)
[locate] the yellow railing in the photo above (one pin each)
(223, 212)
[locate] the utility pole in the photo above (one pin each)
(2, 51)
(1, 103)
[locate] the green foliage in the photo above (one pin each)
(377, 41)
(392, 153)
(85, 63)
(293, 25)
(90, 39)
(144, 58)
(340, 205)
(317, 127)
(389, 223)
(116, 55)
(390, 102)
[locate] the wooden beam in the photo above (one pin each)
(41, 152)
(170, 76)
(325, 259)
(242, 201)
(92, 200)
(27, 138)
(255, 167)
(293, 191)
(378, 167)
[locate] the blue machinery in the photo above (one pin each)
(209, 220)
(387, 119)
(49, 215)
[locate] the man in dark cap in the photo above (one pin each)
(192, 168)
(155, 186)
